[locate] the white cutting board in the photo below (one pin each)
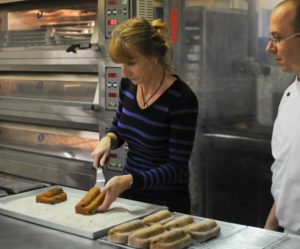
(62, 216)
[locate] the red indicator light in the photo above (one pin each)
(174, 26)
(112, 75)
(113, 155)
(112, 22)
(112, 2)
(112, 95)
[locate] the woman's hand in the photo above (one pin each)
(101, 153)
(113, 188)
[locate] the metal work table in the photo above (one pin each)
(18, 234)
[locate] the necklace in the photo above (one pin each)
(147, 100)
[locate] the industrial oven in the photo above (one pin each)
(58, 88)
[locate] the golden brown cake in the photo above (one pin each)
(52, 196)
(204, 230)
(90, 202)
(174, 239)
(179, 222)
(160, 217)
(142, 237)
(120, 233)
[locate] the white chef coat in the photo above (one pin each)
(286, 167)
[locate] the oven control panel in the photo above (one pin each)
(113, 77)
(116, 11)
(117, 159)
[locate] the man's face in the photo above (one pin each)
(287, 52)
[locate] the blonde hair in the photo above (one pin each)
(149, 38)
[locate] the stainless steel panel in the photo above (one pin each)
(62, 216)
(58, 142)
(50, 61)
(36, 237)
(11, 1)
(250, 238)
(15, 184)
(67, 98)
(49, 169)
(3, 193)
(76, 88)
(289, 242)
(49, 154)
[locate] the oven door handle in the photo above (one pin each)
(73, 47)
(92, 107)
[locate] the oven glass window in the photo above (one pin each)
(44, 25)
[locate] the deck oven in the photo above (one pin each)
(58, 88)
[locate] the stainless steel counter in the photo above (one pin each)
(17, 234)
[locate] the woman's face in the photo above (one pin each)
(139, 69)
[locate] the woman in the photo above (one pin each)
(156, 117)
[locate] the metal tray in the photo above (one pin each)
(227, 230)
(233, 236)
(62, 216)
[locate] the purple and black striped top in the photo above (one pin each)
(160, 138)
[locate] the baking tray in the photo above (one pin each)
(232, 236)
(62, 216)
(227, 230)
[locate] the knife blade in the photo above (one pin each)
(100, 179)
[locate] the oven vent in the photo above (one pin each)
(145, 9)
(63, 35)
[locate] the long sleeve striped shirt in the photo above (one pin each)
(159, 138)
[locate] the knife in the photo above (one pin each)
(100, 179)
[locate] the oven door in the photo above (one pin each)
(67, 100)
(49, 36)
(48, 154)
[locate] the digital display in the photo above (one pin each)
(113, 155)
(112, 75)
(112, 95)
(112, 22)
(112, 2)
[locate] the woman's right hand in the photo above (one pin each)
(113, 188)
(101, 153)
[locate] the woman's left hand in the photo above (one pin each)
(113, 188)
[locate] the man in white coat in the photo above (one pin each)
(284, 45)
